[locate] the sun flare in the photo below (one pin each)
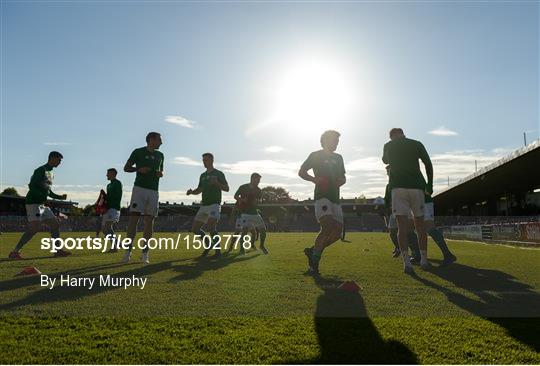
(313, 94)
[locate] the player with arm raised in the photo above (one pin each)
(147, 162)
(328, 176)
(248, 196)
(36, 211)
(211, 183)
(408, 190)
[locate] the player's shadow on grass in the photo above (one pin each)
(347, 335)
(495, 296)
(200, 265)
(58, 293)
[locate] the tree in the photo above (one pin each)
(11, 191)
(272, 194)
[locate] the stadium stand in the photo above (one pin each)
(508, 187)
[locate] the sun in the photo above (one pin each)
(313, 94)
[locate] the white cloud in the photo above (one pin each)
(285, 169)
(369, 178)
(181, 121)
(273, 149)
(79, 186)
(367, 164)
(182, 160)
(443, 131)
(57, 143)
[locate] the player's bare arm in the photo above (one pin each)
(129, 167)
(194, 191)
(424, 157)
(341, 181)
(223, 186)
(302, 173)
(57, 196)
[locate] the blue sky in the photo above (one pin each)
(256, 84)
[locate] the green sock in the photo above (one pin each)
(317, 255)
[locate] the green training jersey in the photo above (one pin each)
(428, 199)
(252, 196)
(403, 154)
(330, 167)
(40, 186)
(211, 194)
(114, 194)
(141, 157)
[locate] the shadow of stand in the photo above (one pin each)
(503, 300)
(347, 335)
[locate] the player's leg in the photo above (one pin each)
(417, 200)
(148, 232)
(261, 231)
(99, 226)
(31, 229)
(254, 236)
(401, 208)
(337, 231)
(237, 231)
(412, 240)
(196, 228)
(108, 230)
(54, 228)
(131, 233)
(244, 232)
(392, 232)
(326, 234)
(403, 229)
(422, 240)
(139, 201)
(324, 217)
(211, 224)
(438, 237)
(150, 212)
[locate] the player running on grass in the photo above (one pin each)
(328, 176)
(248, 196)
(113, 199)
(147, 162)
(235, 218)
(408, 190)
(211, 183)
(412, 239)
(36, 211)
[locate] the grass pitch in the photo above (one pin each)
(265, 309)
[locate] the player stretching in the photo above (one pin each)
(329, 176)
(147, 161)
(408, 190)
(36, 211)
(248, 196)
(113, 199)
(211, 183)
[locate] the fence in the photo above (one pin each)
(520, 233)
